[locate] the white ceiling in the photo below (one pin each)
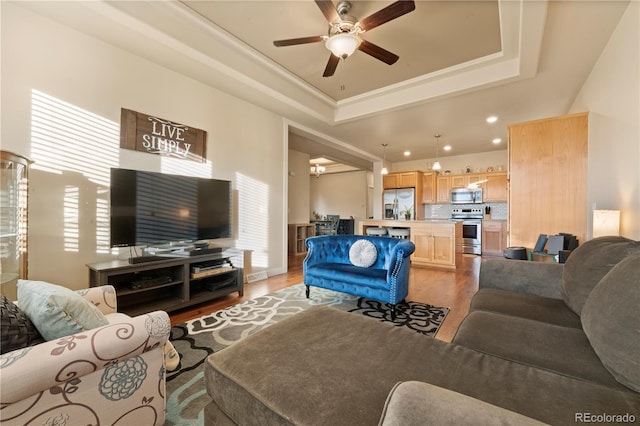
(472, 26)
(459, 63)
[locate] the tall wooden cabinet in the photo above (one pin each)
(548, 178)
(14, 170)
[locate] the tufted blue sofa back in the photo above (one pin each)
(335, 249)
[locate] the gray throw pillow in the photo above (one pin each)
(589, 263)
(611, 321)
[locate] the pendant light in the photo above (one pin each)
(384, 170)
(436, 166)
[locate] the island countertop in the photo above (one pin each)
(403, 223)
(435, 239)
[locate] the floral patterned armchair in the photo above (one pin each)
(111, 375)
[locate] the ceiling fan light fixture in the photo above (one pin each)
(317, 170)
(343, 45)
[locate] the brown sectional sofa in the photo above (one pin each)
(557, 344)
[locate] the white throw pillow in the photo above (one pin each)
(363, 253)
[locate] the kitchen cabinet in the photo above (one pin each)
(463, 181)
(429, 195)
(458, 181)
(443, 188)
(494, 237)
(434, 240)
(401, 180)
(548, 178)
(435, 244)
(495, 187)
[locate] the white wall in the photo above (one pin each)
(245, 144)
(298, 200)
(611, 94)
(344, 194)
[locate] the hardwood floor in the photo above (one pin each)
(452, 289)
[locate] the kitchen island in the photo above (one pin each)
(435, 239)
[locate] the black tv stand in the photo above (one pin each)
(169, 283)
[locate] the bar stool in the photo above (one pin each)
(399, 233)
(378, 232)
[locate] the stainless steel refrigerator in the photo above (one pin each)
(396, 201)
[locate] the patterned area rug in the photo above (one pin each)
(197, 339)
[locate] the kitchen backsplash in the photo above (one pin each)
(499, 211)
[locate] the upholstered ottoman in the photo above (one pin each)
(325, 366)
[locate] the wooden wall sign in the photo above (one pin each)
(141, 132)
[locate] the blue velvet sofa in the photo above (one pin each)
(328, 265)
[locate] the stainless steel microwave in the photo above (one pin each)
(466, 196)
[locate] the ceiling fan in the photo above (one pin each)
(344, 32)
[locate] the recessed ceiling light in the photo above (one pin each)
(407, 153)
(496, 141)
(492, 119)
(447, 147)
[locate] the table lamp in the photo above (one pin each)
(606, 222)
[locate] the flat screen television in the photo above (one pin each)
(148, 208)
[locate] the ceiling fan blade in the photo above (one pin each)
(301, 40)
(393, 11)
(330, 69)
(328, 10)
(378, 52)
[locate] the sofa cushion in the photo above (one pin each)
(324, 366)
(17, 330)
(562, 350)
(363, 253)
(418, 403)
(545, 309)
(589, 263)
(57, 311)
(611, 321)
(342, 272)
